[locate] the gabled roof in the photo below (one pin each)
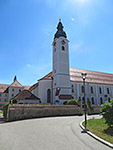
(25, 95)
(16, 84)
(46, 77)
(33, 86)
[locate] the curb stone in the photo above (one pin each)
(96, 137)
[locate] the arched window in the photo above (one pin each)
(107, 90)
(83, 100)
(48, 96)
(72, 88)
(63, 48)
(109, 99)
(91, 89)
(92, 101)
(100, 90)
(82, 88)
(101, 101)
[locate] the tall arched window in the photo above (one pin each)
(92, 101)
(107, 90)
(48, 96)
(100, 90)
(83, 100)
(109, 99)
(82, 88)
(72, 88)
(91, 89)
(101, 101)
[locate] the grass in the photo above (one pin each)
(1, 112)
(99, 128)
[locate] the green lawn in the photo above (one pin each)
(99, 128)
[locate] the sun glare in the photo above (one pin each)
(81, 3)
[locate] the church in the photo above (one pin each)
(64, 83)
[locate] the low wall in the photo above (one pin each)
(18, 112)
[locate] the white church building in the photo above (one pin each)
(65, 83)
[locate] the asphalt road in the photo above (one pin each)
(59, 133)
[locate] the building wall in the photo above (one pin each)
(3, 97)
(43, 86)
(13, 91)
(27, 101)
(77, 91)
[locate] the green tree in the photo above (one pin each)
(72, 102)
(107, 112)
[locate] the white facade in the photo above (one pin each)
(98, 87)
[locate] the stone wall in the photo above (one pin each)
(18, 112)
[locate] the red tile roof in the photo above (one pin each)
(92, 76)
(3, 87)
(33, 86)
(46, 77)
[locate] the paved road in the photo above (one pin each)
(59, 133)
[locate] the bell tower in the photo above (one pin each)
(61, 74)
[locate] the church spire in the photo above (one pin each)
(60, 31)
(15, 78)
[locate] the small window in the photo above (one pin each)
(107, 90)
(101, 101)
(48, 96)
(13, 90)
(55, 83)
(92, 100)
(12, 95)
(72, 88)
(91, 89)
(5, 100)
(109, 99)
(19, 90)
(100, 90)
(63, 48)
(82, 88)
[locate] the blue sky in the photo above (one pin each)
(27, 29)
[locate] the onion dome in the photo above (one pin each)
(60, 31)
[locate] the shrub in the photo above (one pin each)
(5, 108)
(107, 112)
(72, 102)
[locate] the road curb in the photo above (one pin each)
(96, 137)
